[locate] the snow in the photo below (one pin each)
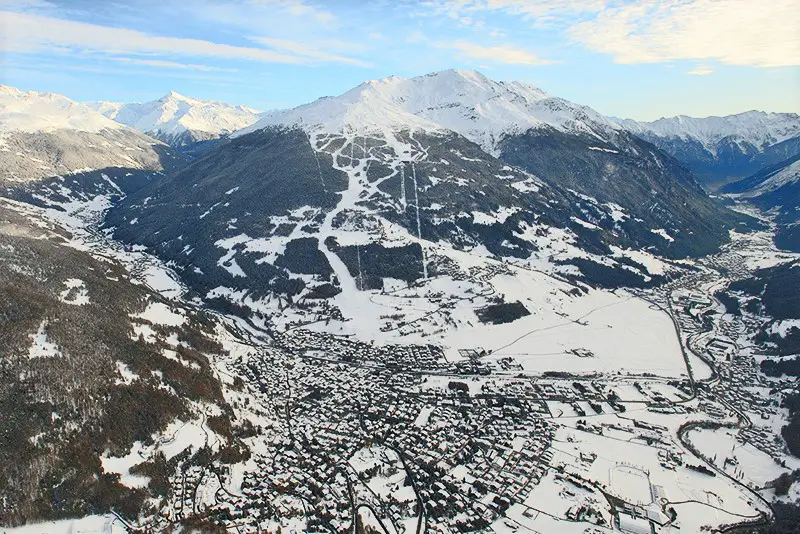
(529, 185)
(753, 467)
(600, 322)
(585, 224)
(424, 415)
(162, 280)
(782, 327)
(128, 376)
(75, 292)
(122, 466)
(653, 264)
(617, 212)
(160, 313)
(466, 102)
(786, 175)
(174, 114)
(180, 436)
(663, 233)
(601, 149)
(631, 469)
(41, 346)
(32, 112)
(631, 484)
(758, 128)
(93, 524)
(499, 216)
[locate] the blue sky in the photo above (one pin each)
(643, 60)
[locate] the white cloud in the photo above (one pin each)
(762, 33)
(701, 70)
(508, 55)
(541, 10)
(306, 51)
(21, 32)
(300, 8)
(170, 64)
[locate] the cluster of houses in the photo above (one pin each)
(470, 450)
(471, 437)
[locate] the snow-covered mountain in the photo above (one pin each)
(32, 111)
(46, 134)
(772, 179)
(179, 120)
(466, 102)
(775, 188)
(718, 149)
(315, 211)
(757, 128)
(571, 145)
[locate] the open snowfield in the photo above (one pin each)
(93, 524)
(705, 500)
(623, 333)
(746, 463)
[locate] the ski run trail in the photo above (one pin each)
(353, 158)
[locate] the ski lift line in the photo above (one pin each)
(319, 167)
(419, 227)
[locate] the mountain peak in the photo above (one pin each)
(468, 74)
(758, 128)
(33, 111)
(176, 96)
(462, 101)
(175, 114)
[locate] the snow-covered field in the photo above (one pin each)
(93, 524)
(740, 460)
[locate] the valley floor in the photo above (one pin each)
(640, 411)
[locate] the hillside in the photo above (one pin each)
(44, 135)
(396, 182)
(106, 387)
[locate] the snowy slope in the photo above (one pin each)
(45, 135)
(466, 102)
(174, 114)
(719, 150)
(757, 128)
(787, 175)
(34, 112)
(775, 187)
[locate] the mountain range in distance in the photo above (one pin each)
(570, 146)
(178, 120)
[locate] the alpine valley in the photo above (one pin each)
(436, 304)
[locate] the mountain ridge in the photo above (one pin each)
(722, 149)
(466, 102)
(32, 111)
(44, 135)
(179, 120)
